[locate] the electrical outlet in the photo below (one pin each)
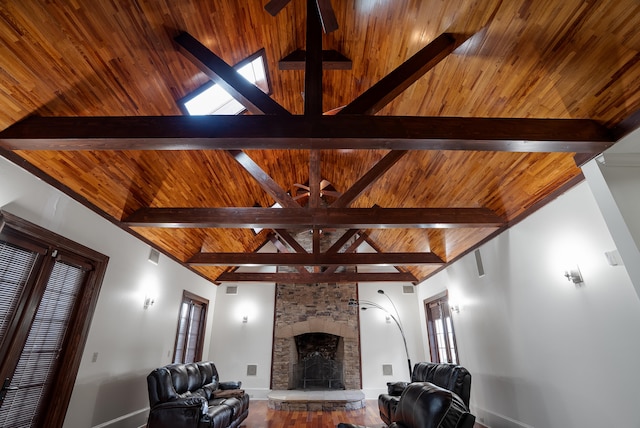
(94, 358)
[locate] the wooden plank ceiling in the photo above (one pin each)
(454, 121)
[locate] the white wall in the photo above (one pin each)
(542, 352)
(129, 341)
(381, 341)
(235, 345)
(614, 179)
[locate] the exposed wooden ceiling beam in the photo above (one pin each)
(266, 182)
(628, 125)
(367, 179)
(246, 93)
(316, 278)
(309, 259)
(331, 60)
(290, 240)
(293, 218)
(352, 248)
(327, 15)
(394, 83)
(306, 132)
(275, 6)
(314, 179)
(313, 64)
(282, 248)
(278, 244)
(337, 246)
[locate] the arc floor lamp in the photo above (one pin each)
(369, 304)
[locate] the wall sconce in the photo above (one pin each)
(148, 302)
(574, 276)
(454, 308)
(245, 319)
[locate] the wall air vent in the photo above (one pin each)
(232, 289)
(408, 289)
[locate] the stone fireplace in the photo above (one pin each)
(315, 332)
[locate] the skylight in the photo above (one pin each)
(212, 99)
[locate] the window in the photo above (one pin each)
(48, 289)
(442, 338)
(190, 334)
(212, 99)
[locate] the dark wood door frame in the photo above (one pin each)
(59, 396)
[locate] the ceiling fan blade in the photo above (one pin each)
(331, 193)
(303, 195)
(275, 6)
(301, 186)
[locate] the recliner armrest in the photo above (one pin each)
(230, 385)
(181, 411)
(396, 388)
(200, 402)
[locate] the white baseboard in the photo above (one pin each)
(491, 419)
(257, 393)
(122, 418)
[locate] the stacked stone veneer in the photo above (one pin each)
(314, 308)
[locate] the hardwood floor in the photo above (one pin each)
(260, 416)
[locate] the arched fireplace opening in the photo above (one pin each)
(319, 364)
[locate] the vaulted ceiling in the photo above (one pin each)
(452, 121)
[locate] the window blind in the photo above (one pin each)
(37, 362)
(15, 267)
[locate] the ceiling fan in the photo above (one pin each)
(325, 190)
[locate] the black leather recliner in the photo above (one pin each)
(452, 377)
(191, 395)
(425, 405)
